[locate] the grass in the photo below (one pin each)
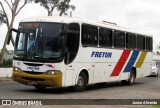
(156, 106)
(6, 64)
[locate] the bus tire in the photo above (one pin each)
(81, 83)
(39, 87)
(131, 79)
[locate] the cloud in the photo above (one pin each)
(140, 15)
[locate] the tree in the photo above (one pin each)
(15, 8)
(60, 5)
(64, 6)
(50, 5)
(158, 48)
(2, 18)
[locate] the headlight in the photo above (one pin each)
(16, 69)
(52, 72)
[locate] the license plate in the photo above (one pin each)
(32, 83)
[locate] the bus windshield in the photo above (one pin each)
(38, 41)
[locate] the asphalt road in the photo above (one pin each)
(144, 88)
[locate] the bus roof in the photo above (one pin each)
(81, 21)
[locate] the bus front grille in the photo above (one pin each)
(35, 73)
(33, 79)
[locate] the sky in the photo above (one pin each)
(138, 15)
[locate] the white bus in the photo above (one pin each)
(60, 51)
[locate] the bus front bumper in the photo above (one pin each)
(42, 79)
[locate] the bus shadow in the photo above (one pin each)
(48, 90)
(67, 90)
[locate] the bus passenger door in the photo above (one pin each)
(71, 50)
(69, 74)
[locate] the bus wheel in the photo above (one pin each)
(39, 87)
(81, 83)
(131, 79)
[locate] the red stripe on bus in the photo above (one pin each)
(121, 63)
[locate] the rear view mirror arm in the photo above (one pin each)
(10, 35)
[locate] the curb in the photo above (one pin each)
(3, 79)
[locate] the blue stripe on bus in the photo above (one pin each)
(131, 61)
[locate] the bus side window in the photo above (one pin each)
(140, 42)
(105, 37)
(119, 39)
(130, 41)
(89, 35)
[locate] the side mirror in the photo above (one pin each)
(10, 35)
